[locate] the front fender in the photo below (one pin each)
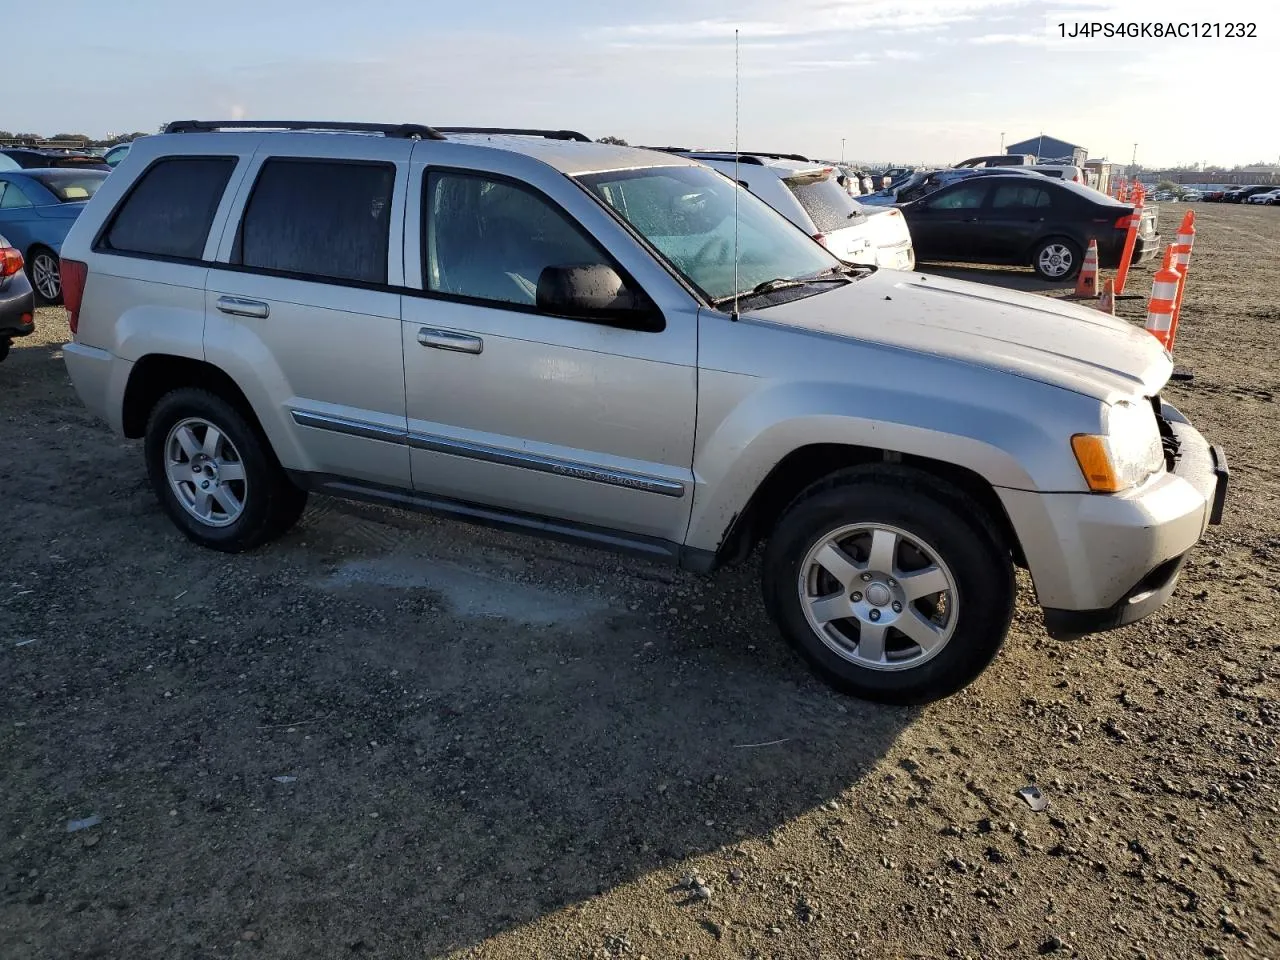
(746, 428)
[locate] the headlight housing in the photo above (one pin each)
(1127, 454)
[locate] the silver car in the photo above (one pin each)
(585, 341)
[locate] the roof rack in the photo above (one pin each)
(519, 132)
(745, 154)
(744, 157)
(402, 130)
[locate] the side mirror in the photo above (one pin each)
(594, 292)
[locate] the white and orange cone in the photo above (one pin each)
(1107, 302)
(1164, 294)
(1087, 281)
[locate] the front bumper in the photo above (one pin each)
(1101, 561)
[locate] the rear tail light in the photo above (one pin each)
(1125, 222)
(821, 238)
(10, 261)
(74, 273)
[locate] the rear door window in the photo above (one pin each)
(1021, 197)
(827, 203)
(322, 219)
(170, 209)
(965, 196)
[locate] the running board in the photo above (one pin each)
(602, 538)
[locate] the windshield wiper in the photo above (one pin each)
(834, 275)
(780, 283)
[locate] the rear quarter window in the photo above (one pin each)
(330, 220)
(170, 209)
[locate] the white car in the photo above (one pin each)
(1271, 197)
(809, 194)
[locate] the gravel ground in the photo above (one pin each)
(392, 736)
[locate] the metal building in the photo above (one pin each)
(1050, 150)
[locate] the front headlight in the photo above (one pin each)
(1126, 455)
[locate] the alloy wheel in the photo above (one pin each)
(878, 596)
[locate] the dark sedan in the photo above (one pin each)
(1019, 220)
(30, 158)
(1241, 194)
(17, 299)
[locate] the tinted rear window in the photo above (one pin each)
(324, 219)
(70, 186)
(827, 203)
(169, 211)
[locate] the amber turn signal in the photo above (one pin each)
(1094, 457)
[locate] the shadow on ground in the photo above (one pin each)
(383, 733)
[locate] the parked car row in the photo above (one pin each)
(37, 207)
(1267, 198)
(1239, 194)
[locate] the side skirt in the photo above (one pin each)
(604, 538)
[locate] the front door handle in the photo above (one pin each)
(239, 307)
(448, 340)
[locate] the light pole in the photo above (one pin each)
(1002, 141)
(842, 149)
(1133, 164)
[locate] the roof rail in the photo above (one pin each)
(750, 153)
(695, 154)
(402, 130)
(519, 132)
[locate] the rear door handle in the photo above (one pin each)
(448, 340)
(239, 307)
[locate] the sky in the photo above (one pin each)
(904, 81)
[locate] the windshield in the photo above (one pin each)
(827, 203)
(686, 213)
(70, 186)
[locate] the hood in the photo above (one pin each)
(1062, 344)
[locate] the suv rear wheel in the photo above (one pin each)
(216, 475)
(893, 585)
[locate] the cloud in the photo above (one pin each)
(1028, 39)
(816, 17)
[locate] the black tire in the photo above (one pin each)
(950, 522)
(5, 344)
(38, 253)
(271, 503)
(1073, 250)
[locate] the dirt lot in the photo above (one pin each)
(391, 736)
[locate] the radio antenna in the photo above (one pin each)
(737, 183)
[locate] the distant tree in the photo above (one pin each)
(616, 141)
(70, 136)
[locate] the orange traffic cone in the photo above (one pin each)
(1164, 294)
(1087, 282)
(1107, 303)
(1182, 263)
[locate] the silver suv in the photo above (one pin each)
(622, 348)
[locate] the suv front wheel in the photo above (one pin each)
(893, 585)
(216, 475)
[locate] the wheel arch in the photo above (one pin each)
(157, 374)
(812, 463)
